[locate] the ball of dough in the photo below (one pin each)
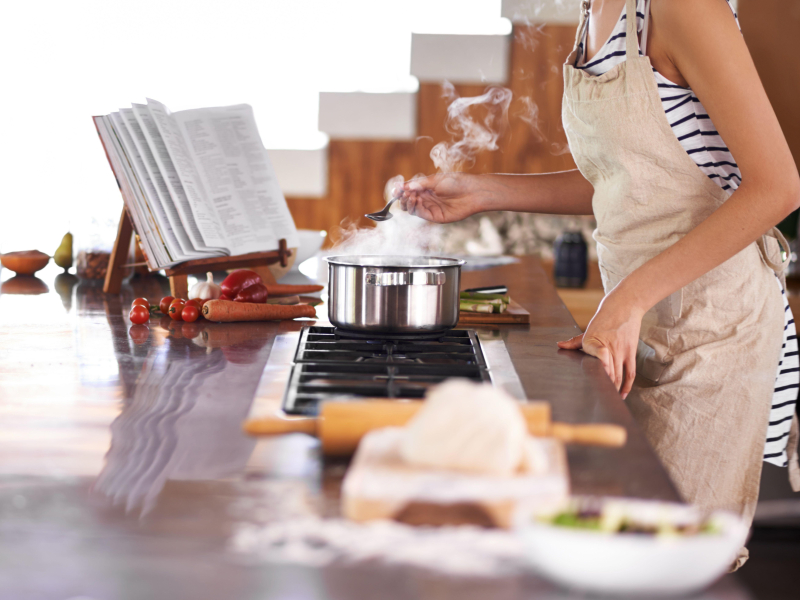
(467, 427)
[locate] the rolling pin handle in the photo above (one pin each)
(279, 424)
(612, 436)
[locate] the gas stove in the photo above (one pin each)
(330, 363)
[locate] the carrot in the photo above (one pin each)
(226, 311)
(279, 289)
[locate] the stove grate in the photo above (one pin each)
(327, 365)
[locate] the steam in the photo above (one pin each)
(472, 134)
(403, 235)
(530, 114)
(475, 124)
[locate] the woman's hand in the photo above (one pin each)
(613, 336)
(444, 198)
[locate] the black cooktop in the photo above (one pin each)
(330, 363)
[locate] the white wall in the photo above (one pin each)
(66, 61)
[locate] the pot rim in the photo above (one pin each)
(393, 261)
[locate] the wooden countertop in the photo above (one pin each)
(575, 384)
(124, 472)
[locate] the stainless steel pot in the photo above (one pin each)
(393, 294)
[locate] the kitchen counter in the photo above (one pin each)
(124, 472)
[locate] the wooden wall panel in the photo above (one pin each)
(771, 29)
(357, 173)
(359, 169)
(537, 56)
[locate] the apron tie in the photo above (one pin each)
(779, 268)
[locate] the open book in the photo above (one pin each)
(196, 183)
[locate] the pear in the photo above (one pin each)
(63, 256)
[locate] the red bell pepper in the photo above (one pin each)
(237, 281)
(256, 293)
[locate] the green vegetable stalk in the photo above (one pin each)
(475, 307)
(472, 296)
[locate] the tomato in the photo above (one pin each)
(139, 334)
(196, 301)
(141, 302)
(164, 305)
(175, 309)
(190, 313)
(139, 314)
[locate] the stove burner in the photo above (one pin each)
(330, 362)
(367, 335)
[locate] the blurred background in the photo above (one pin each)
(346, 95)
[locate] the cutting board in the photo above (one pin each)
(513, 314)
(380, 485)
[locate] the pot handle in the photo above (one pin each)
(406, 278)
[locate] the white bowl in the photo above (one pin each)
(311, 241)
(629, 563)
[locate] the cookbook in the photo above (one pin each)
(196, 183)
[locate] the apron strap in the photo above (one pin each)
(584, 20)
(646, 27)
(784, 245)
(631, 31)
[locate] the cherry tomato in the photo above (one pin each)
(196, 301)
(190, 313)
(141, 302)
(139, 334)
(175, 309)
(139, 314)
(164, 304)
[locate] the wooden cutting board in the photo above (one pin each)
(380, 485)
(513, 314)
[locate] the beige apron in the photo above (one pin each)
(708, 354)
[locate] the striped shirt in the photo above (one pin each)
(697, 135)
(685, 113)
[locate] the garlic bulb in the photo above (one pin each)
(205, 290)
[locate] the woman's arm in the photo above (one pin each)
(451, 197)
(702, 41)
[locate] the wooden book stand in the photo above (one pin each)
(178, 280)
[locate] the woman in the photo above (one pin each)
(655, 107)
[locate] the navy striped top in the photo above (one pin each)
(686, 115)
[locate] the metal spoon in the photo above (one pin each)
(383, 214)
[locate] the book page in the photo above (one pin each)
(162, 225)
(238, 176)
(160, 188)
(126, 185)
(171, 179)
(205, 215)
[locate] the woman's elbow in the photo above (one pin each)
(790, 194)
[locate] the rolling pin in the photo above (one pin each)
(342, 424)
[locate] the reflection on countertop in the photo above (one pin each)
(180, 423)
(124, 471)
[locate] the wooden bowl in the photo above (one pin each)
(26, 262)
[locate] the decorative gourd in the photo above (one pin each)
(205, 290)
